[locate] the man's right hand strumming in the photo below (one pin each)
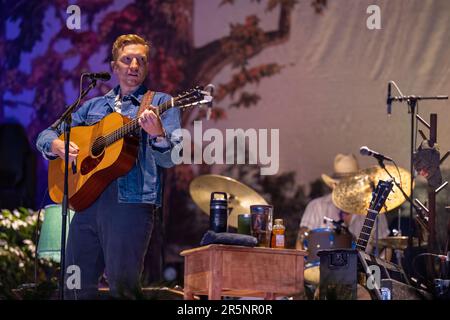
(58, 149)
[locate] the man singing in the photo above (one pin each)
(112, 235)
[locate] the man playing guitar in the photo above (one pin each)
(112, 234)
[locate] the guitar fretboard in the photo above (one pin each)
(188, 99)
(104, 141)
(132, 125)
(366, 230)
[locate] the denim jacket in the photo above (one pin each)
(143, 183)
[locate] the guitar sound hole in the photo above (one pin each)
(98, 146)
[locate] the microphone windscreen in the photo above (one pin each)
(364, 151)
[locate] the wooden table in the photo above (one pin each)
(236, 271)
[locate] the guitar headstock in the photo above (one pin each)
(193, 97)
(379, 196)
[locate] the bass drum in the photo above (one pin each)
(312, 273)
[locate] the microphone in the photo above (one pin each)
(103, 76)
(339, 225)
(389, 99)
(365, 151)
(210, 89)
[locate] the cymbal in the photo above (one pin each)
(240, 196)
(353, 194)
(397, 242)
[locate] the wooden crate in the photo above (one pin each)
(236, 271)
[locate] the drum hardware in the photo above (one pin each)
(422, 219)
(338, 225)
(397, 242)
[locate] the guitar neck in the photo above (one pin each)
(166, 106)
(366, 230)
(379, 198)
(132, 125)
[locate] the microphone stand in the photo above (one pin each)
(412, 109)
(66, 117)
(381, 164)
(398, 253)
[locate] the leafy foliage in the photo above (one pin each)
(17, 257)
(246, 76)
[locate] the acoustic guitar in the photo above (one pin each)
(107, 150)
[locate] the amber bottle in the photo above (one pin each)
(278, 234)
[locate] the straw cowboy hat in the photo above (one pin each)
(344, 166)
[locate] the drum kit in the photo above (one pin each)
(352, 194)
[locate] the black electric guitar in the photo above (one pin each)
(379, 197)
(393, 274)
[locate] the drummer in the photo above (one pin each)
(317, 209)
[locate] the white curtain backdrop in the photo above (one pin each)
(331, 96)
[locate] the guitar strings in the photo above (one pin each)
(104, 141)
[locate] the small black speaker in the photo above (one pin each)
(338, 274)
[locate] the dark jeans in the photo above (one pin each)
(108, 237)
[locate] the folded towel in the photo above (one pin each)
(211, 237)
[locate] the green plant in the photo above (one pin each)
(18, 276)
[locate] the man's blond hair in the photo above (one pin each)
(125, 40)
